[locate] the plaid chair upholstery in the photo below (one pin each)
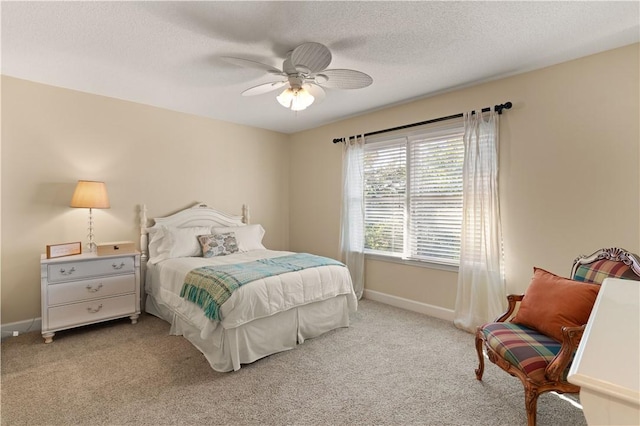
(597, 271)
(525, 348)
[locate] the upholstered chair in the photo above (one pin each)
(537, 342)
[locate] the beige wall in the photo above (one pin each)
(569, 160)
(51, 137)
(569, 180)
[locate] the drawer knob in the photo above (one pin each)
(90, 289)
(69, 272)
(118, 266)
(94, 310)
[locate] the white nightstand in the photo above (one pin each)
(86, 288)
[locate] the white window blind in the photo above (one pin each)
(413, 193)
(385, 188)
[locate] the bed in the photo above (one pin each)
(278, 300)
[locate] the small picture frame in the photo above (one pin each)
(65, 249)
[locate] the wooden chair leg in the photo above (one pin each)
(479, 344)
(531, 404)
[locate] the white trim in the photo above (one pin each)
(34, 324)
(410, 305)
(411, 262)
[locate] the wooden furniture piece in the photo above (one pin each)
(610, 391)
(86, 289)
(538, 360)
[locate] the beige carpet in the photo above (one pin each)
(390, 367)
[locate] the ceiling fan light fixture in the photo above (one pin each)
(305, 73)
(296, 99)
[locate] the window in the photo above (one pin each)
(413, 193)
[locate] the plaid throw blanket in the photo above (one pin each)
(210, 286)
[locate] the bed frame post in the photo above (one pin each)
(144, 243)
(144, 256)
(246, 215)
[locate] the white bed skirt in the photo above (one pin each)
(227, 349)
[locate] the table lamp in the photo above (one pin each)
(91, 195)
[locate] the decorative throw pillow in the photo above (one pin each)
(218, 244)
(552, 302)
(249, 237)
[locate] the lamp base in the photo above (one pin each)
(91, 246)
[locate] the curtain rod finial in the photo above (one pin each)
(506, 105)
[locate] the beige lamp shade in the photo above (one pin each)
(90, 194)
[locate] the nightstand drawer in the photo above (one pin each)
(69, 271)
(91, 289)
(91, 311)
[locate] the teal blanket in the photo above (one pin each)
(210, 286)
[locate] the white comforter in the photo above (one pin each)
(257, 299)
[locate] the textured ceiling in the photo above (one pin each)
(168, 54)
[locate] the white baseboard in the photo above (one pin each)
(399, 302)
(410, 305)
(20, 327)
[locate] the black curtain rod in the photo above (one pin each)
(499, 108)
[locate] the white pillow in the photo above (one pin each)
(159, 245)
(169, 242)
(248, 237)
(184, 241)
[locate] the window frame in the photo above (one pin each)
(446, 128)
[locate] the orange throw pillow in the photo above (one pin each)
(552, 302)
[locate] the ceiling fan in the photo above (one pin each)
(304, 71)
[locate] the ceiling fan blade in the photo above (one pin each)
(344, 79)
(263, 88)
(247, 63)
(316, 91)
(313, 56)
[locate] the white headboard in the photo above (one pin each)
(197, 215)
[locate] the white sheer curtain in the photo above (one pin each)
(481, 289)
(352, 227)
